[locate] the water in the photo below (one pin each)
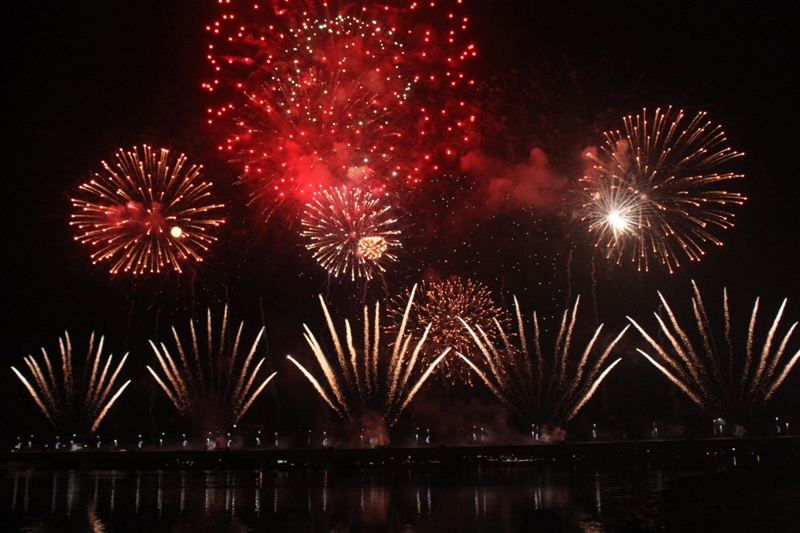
(410, 499)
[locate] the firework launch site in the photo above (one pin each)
(711, 454)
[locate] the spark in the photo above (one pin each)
(373, 379)
(325, 93)
(541, 391)
(350, 233)
(372, 248)
(146, 213)
(653, 190)
(70, 404)
(211, 387)
(736, 385)
(442, 306)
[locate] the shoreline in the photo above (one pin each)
(690, 453)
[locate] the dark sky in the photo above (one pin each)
(82, 79)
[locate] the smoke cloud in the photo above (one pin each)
(532, 183)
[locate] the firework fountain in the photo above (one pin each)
(734, 384)
(546, 393)
(369, 388)
(70, 404)
(211, 387)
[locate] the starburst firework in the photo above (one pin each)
(543, 391)
(441, 307)
(145, 214)
(736, 385)
(350, 232)
(369, 382)
(323, 93)
(211, 387)
(77, 405)
(653, 191)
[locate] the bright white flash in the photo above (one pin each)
(618, 222)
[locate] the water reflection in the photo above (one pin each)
(95, 523)
(477, 499)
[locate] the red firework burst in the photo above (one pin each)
(329, 93)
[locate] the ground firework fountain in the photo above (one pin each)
(733, 384)
(370, 389)
(74, 405)
(546, 392)
(211, 385)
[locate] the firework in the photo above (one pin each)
(350, 233)
(734, 385)
(653, 193)
(324, 93)
(442, 306)
(369, 382)
(71, 404)
(541, 391)
(145, 214)
(211, 385)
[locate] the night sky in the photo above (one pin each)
(82, 79)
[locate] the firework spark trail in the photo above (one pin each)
(413, 361)
(774, 365)
(336, 343)
(425, 375)
(686, 350)
(652, 190)
(67, 363)
(441, 305)
(43, 405)
(330, 376)
(749, 350)
(394, 362)
(389, 394)
(708, 342)
(92, 390)
(589, 392)
(214, 396)
(762, 361)
(375, 345)
(353, 361)
(66, 407)
(333, 405)
(145, 214)
(737, 400)
(324, 93)
(338, 222)
(515, 378)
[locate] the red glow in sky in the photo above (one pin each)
(323, 94)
